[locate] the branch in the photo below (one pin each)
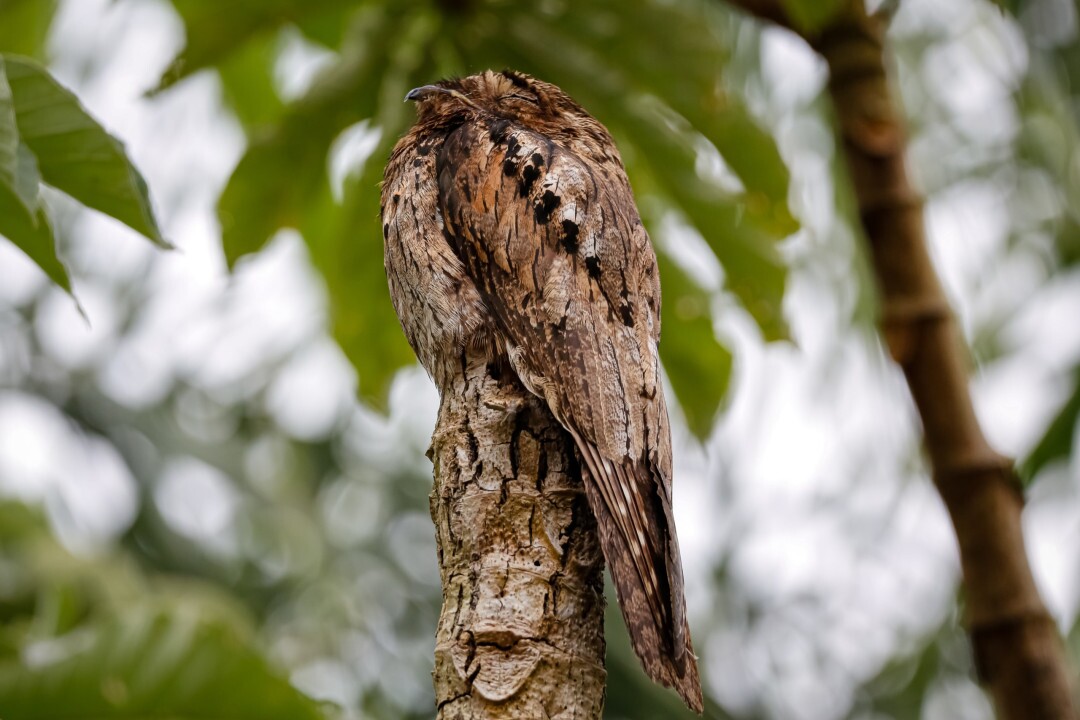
(1018, 651)
(521, 629)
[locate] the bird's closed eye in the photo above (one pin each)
(526, 98)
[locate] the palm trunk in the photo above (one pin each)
(1017, 648)
(521, 629)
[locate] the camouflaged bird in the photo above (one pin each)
(510, 226)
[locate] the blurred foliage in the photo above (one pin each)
(627, 697)
(809, 16)
(899, 690)
(1050, 141)
(24, 24)
(1057, 443)
(93, 638)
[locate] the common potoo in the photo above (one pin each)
(510, 226)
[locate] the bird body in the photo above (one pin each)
(510, 227)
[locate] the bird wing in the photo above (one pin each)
(560, 257)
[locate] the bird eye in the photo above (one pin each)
(526, 98)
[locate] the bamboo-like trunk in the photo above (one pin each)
(1017, 648)
(521, 629)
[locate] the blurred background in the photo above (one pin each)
(213, 489)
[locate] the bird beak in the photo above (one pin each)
(417, 94)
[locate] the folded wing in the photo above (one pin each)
(557, 250)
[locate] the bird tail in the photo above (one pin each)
(637, 535)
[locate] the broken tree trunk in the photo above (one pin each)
(521, 629)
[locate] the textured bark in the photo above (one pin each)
(1018, 651)
(521, 629)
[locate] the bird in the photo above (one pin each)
(510, 226)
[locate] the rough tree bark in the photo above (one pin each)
(521, 629)
(1017, 648)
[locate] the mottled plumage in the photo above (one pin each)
(510, 226)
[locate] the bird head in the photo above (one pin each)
(514, 96)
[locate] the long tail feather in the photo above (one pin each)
(638, 540)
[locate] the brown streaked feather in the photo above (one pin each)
(556, 249)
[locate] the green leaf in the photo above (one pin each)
(27, 180)
(18, 166)
(697, 365)
(24, 25)
(1057, 443)
(74, 153)
(151, 665)
(22, 221)
(696, 92)
(282, 181)
(248, 82)
(346, 246)
(33, 235)
(810, 16)
(1012, 7)
(18, 523)
(281, 172)
(9, 131)
(216, 30)
(754, 271)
